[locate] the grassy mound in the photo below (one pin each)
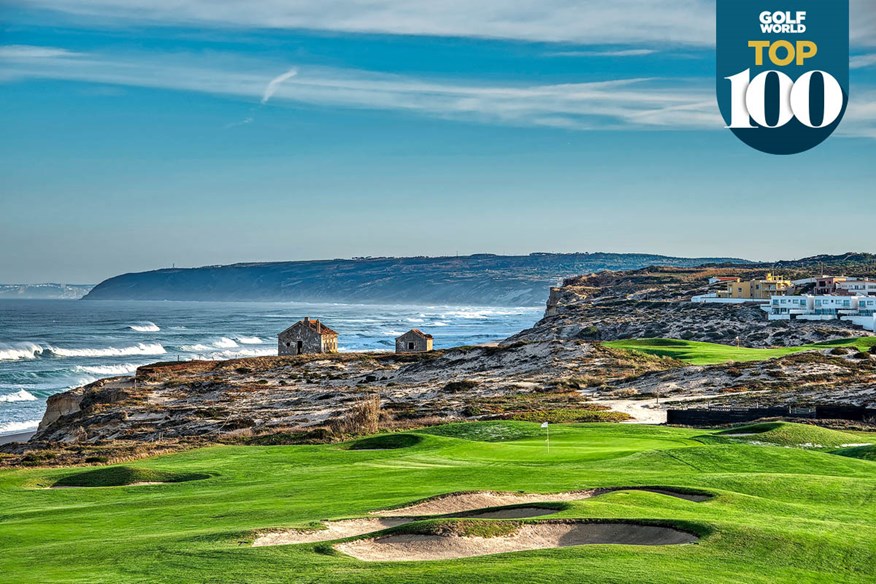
(387, 442)
(120, 476)
(698, 353)
(487, 431)
(788, 434)
(860, 452)
(461, 528)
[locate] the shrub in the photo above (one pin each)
(364, 418)
(460, 386)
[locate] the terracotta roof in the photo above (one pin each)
(313, 324)
(419, 332)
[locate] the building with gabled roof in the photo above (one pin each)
(414, 341)
(307, 337)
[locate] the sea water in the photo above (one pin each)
(49, 346)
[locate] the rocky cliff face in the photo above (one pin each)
(655, 303)
(556, 371)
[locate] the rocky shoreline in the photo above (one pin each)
(557, 371)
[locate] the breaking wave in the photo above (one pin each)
(145, 327)
(240, 354)
(123, 369)
(138, 349)
(250, 341)
(19, 351)
(20, 396)
(12, 427)
(223, 343)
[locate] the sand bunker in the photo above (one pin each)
(333, 530)
(140, 484)
(463, 502)
(536, 536)
(459, 503)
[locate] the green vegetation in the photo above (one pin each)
(780, 514)
(800, 435)
(461, 527)
(119, 476)
(387, 442)
(862, 452)
(697, 353)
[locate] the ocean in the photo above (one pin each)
(49, 346)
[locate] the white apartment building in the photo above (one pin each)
(859, 310)
(858, 287)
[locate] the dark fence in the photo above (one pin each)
(720, 415)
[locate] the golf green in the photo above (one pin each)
(782, 511)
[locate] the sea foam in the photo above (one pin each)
(138, 349)
(19, 396)
(123, 369)
(19, 351)
(13, 427)
(145, 327)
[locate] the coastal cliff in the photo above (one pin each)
(486, 280)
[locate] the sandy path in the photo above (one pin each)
(411, 547)
(333, 530)
(463, 502)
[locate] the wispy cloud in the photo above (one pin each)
(618, 53)
(275, 83)
(616, 103)
(688, 22)
(621, 104)
(19, 52)
(861, 61)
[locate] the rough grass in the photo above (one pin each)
(119, 476)
(698, 353)
(780, 514)
(487, 431)
(862, 452)
(387, 442)
(800, 435)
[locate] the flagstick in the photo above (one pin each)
(548, 428)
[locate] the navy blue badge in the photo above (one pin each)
(783, 71)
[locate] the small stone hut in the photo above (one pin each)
(307, 337)
(413, 341)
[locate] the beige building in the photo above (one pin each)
(413, 341)
(307, 337)
(763, 289)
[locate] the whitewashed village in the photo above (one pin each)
(819, 298)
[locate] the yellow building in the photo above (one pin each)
(759, 289)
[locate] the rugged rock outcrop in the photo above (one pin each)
(655, 303)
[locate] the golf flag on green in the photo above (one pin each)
(548, 430)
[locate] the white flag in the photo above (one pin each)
(545, 425)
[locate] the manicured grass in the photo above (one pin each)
(780, 514)
(697, 353)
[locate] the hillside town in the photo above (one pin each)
(817, 298)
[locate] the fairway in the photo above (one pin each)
(779, 513)
(697, 353)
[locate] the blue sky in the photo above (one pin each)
(139, 134)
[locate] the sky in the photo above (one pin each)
(141, 134)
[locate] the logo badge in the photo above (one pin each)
(783, 71)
